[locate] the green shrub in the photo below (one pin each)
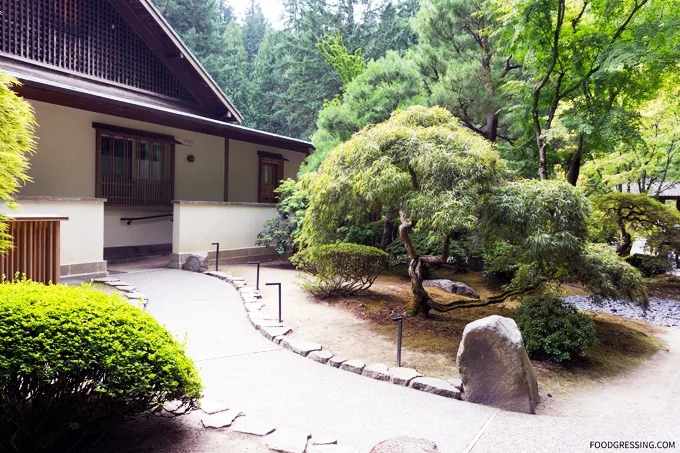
(500, 261)
(75, 361)
(339, 269)
(554, 329)
(364, 234)
(650, 265)
(281, 230)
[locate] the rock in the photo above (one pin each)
(402, 376)
(320, 439)
(288, 440)
(377, 371)
(405, 444)
(355, 366)
(320, 356)
(257, 306)
(212, 407)
(437, 386)
(217, 274)
(118, 283)
(336, 361)
(457, 383)
(135, 295)
(253, 425)
(196, 262)
(331, 449)
(494, 366)
(272, 332)
(250, 300)
(236, 279)
(107, 280)
(259, 323)
(301, 347)
(126, 288)
(453, 287)
(221, 419)
(278, 339)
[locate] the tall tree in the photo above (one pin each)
(564, 45)
(254, 28)
(461, 63)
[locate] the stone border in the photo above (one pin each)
(276, 332)
(133, 296)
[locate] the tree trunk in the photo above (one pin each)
(626, 244)
(542, 160)
(418, 305)
(575, 162)
(492, 127)
(388, 229)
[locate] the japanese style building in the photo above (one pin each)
(133, 133)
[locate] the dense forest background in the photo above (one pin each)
(584, 90)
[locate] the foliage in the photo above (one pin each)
(650, 265)
(607, 276)
(348, 66)
(552, 328)
(16, 145)
(500, 261)
(639, 213)
(75, 361)
(284, 228)
(254, 28)
(340, 269)
(364, 234)
(546, 223)
(421, 163)
(387, 84)
(426, 245)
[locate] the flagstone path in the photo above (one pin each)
(246, 372)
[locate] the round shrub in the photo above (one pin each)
(75, 361)
(554, 329)
(339, 269)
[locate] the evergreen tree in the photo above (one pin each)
(254, 28)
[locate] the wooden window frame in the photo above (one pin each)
(271, 159)
(135, 191)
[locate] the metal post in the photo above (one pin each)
(399, 320)
(257, 281)
(217, 256)
(279, 285)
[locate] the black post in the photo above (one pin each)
(217, 256)
(399, 320)
(257, 281)
(279, 285)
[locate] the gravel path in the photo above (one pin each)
(665, 312)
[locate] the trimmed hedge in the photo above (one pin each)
(554, 329)
(75, 361)
(339, 269)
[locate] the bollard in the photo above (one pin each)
(217, 256)
(257, 280)
(399, 320)
(279, 285)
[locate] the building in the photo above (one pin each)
(137, 145)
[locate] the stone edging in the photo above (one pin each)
(276, 332)
(133, 296)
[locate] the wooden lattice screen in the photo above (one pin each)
(87, 37)
(35, 250)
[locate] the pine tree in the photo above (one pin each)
(254, 28)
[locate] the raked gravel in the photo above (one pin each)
(665, 312)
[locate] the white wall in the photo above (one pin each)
(142, 232)
(82, 235)
(243, 168)
(234, 226)
(64, 164)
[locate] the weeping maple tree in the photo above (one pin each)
(422, 164)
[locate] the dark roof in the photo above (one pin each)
(162, 38)
(669, 189)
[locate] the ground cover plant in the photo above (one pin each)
(74, 362)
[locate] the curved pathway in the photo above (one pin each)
(243, 369)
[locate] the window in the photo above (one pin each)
(270, 176)
(134, 167)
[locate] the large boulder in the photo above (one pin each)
(453, 287)
(494, 367)
(196, 262)
(405, 444)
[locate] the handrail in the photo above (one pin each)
(133, 219)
